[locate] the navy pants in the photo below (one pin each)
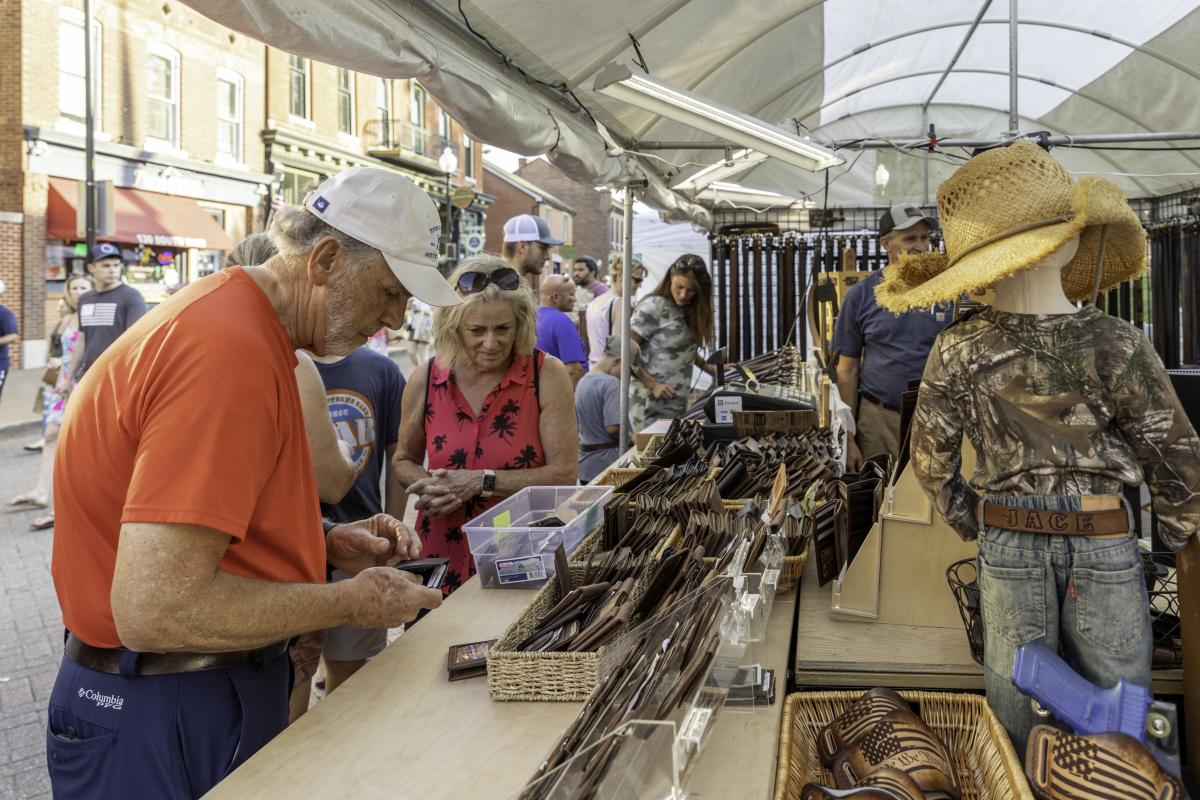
(161, 736)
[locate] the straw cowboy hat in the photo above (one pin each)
(1007, 210)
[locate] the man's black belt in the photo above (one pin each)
(592, 448)
(109, 660)
(873, 399)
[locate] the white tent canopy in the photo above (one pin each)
(836, 70)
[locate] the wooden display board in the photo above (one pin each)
(899, 574)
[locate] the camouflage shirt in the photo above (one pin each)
(1073, 404)
(667, 355)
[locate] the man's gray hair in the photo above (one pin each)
(295, 231)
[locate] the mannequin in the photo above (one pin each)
(1038, 290)
(1064, 406)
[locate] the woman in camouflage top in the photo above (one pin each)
(669, 326)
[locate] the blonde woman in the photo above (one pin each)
(490, 414)
(56, 402)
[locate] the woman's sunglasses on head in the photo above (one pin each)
(474, 282)
(692, 264)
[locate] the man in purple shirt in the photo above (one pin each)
(556, 332)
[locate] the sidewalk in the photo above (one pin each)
(16, 402)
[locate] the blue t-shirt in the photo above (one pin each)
(597, 405)
(893, 349)
(363, 392)
(8, 326)
(558, 336)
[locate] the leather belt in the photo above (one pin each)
(870, 398)
(1056, 523)
(592, 448)
(109, 660)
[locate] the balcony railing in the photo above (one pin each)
(403, 138)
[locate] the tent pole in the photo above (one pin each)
(1053, 141)
(1013, 120)
(626, 305)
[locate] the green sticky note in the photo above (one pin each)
(502, 520)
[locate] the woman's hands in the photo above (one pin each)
(662, 391)
(446, 490)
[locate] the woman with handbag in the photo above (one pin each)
(55, 399)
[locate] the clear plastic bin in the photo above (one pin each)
(511, 553)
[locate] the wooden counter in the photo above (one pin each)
(399, 729)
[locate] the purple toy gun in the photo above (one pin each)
(1125, 708)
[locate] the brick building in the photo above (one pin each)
(199, 129)
(321, 119)
(516, 195)
(599, 223)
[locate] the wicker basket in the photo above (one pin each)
(645, 456)
(984, 760)
(617, 476)
(516, 675)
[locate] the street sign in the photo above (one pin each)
(462, 197)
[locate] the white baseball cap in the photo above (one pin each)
(387, 211)
(2, 286)
(528, 228)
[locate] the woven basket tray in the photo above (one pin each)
(984, 760)
(616, 476)
(517, 675)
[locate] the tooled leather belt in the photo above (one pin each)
(1056, 523)
(109, 660)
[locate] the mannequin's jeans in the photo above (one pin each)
(1087, 593)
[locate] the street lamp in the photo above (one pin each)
(448, 162)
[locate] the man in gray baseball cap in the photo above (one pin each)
(878, 351)
(527, 243)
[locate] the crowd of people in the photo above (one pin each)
(261, 383)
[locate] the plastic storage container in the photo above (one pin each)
(511, 552)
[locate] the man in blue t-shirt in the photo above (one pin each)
(8, 334)
(557, 333)
(879, 352)
(363, 392)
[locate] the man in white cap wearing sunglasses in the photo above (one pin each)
(185, 570)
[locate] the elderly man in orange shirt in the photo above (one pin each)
(188, 547)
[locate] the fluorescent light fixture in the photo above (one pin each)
(729, 124)
(737, 163)
(737, 195)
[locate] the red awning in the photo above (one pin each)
(159, 220)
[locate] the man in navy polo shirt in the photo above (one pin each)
(878, 351)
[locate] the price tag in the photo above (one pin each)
(750, 603)
(770, 577)
(694, 725)
(724, 407)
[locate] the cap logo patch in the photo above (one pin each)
(320, 204)
(913, 212)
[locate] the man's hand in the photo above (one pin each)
(374, 542)
(385, 597)
(854, 457)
